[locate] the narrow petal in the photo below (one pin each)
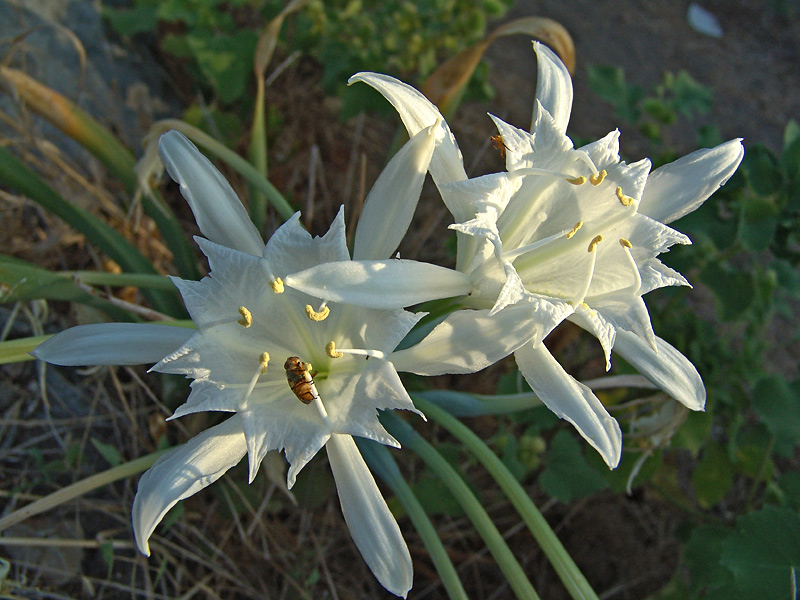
(670, 370)
(380, 283)
(372, 526)
(393, 199)
(183, 472)
(682, 186)
(471, 340)
(553, 86)
(571, 400)
(417, 112)
(217, 209)
(112, 344)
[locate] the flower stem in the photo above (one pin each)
(576, 584)
(79, 488)
(511, 568)
(381, 462)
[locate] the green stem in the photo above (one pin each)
(258, 157)
(381, 462)
(461, 404)
(562, 562)
(511, 568)
(79, 488)
(139, 280)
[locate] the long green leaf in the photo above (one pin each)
(380, 461)
(14, 351)
(87, 131)
(562, 562)
(16, 175)
(511, 568)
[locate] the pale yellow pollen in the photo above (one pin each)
(625, 200)
(317, 316)
(277, 285)
(263, 360)
(247, 318)
(330, 349)
(598, 178)
(593, 244)
(625, 243)
(580, 180)
(574, 230)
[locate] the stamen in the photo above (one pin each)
(512, 255)
(593, 244)
(582, 297)
(379, 354)
(585, 158)
(625, 200)
(598, 178)
(574, 230)
(330, 350)
(322, 412)
(637, 278)
(625, 243)
(247, 318)
(263, 359)
(319, 315)
(277, 285)
(580, 180)
(573, 179)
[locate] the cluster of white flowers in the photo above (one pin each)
(564, 233)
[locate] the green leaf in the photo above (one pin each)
(138, 19)
(762, 171)
(791, 149)
(436, 498)
(778, 405)
(108, 452)
(694, 432)
(226, 61)
(690, 96)
(762, 554)
(702, 556)
(713, 476)
(568, 476)
(733, 290)
(759, 222)
(789, 484)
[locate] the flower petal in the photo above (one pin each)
(112, 344)
(471, 340)
(417, 112)
(393, 199)
(183, 472)
(571, 400)
(380, 283)
(217, 209)
(553, 86)
(682, 186)
(667, 368)
(372, 526)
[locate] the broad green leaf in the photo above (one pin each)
(763, 552)
(709, 578)
(733, 290)
(791, 149)
(108, 452)
(435, 498)
(567, 475)
(762, 170)
(713, 476)
(694, 432)
(778, 405)
(226, 61)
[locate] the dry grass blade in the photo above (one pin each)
(444, 86)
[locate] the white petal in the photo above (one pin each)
(682, 186)
(112, 344)
(417, 112)
(553, 86)
(372, 526)
(594, 323)
(291, 248)
(380, 283)
(667, 368)
(183, 472)
(471, 340)
(217, 209)
(393, 199)
(571, 400)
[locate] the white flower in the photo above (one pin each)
(565, 233)
(297, 374)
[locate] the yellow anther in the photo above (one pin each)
(247, 318)
(625, 243)
(580, 180)
(277, 285)
(330, 349)
(593, 244)
(584, 305)
(317, 316)
(574, 230)
(263, 360)
(625, 200)
(598, 178)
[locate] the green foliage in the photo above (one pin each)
(217, 39)
(567, 475)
